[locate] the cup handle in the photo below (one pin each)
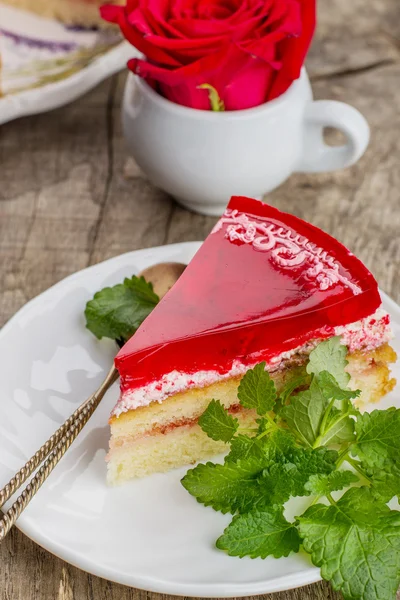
(318, 156)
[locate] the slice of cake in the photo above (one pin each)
(264, 286)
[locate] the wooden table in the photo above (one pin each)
(71, 196)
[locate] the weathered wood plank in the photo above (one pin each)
(53, 179)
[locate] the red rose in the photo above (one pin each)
(250, 51)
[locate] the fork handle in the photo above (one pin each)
(65, 437)
(29, 467)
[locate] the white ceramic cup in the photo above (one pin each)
(202, 158)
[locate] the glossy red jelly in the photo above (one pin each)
(264, 282)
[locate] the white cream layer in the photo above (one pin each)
(366, 334)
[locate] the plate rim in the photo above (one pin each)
(307, 576)
(59, 93)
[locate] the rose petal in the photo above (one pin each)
(265, 48)
(157, 15)
(293, 51)
(185, 43)
(250, 87)
(110, 12)
(136, 39)
(199, 28)
(137, 19)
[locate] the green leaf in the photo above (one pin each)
(215, 101)
(117, 312)
(285, 467)
(260, 480)
(331, 390)
(321, 485)
(269, 449)
(330, 355)
(278, 444)
(378, 437)
(385, 482)
(356, 542)
(260, 534)
(291, 386)
(229, 487)
(304, 462)
(257, 390)
(276, 485)
(305, 413)
(338, 431)
(217, 423)
(264, 425)
(243, 447)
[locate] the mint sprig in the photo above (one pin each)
(302, 438)
(117, 312)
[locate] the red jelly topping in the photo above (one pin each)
(264, 282)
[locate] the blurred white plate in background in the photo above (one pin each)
(45, 64)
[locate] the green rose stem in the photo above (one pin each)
(216, 103)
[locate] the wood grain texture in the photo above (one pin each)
(71, 196)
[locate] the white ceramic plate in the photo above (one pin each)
(149, 533)
(46, 64)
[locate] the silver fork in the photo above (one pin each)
(52, 450)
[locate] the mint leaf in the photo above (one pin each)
(276, 485)
(278, 444)
(304, 414)
(356, 542)
(385, 484)
(269, 449)
(331, 390)
(284, 467)
(321, 485)
(260, 534)
(257, 390)
(217, 423)
(378, 437)
(330, 355)
(243, 447)
(304, 462)
(339, 429)
(117, 312)
(289, 474)
(229, 487)
(290, 387)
